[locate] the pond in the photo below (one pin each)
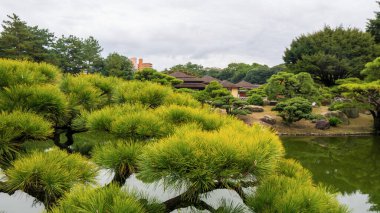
(350, 165)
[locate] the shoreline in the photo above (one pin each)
(326, 134)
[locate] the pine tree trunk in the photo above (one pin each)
(376, 125)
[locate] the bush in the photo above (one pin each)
(334, 121)
(285, 194)
(293, 110)
(220, 155)
(110, 199)
(48, 175)
(182, 99)
(101, 120)
(178, 115)
(120, 156)
(14, 72)
(81, 93)
(255, 100)
(146, 93)
(16, 127)
(140, 126)
(45, 100)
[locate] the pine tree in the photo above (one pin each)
(20, 41)
(373, 26)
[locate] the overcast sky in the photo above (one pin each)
(209, 32)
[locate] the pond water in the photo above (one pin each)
(350, 165)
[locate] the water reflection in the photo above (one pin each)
(19, 202)
(348, 164)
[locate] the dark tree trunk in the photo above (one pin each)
(376, 121)
(376, 125)
(120, 178)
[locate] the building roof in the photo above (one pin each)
(207, 79)
(228, 84)
(185, 77)
(247, 85)
(191, 85)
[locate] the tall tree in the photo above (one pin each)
(20, 41)
(373, 26)
(75, 55)
(119, 66)
(289, 85)
(91, 54)
(331, 53)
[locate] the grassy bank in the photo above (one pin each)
(361, 125)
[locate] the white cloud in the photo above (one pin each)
(213, 32)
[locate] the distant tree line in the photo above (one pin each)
(70, 53)
(254, 73)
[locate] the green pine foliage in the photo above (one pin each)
(292, 190)
(200, 160)
(255, 99)
(182, 99)
(293, 110)
(285, 85)
(285, 194)
(331, 53)
(120, 156)
(48, 175)
(16, 127)
(166, 136)
(150, 94)
(372, 70)
(109, 199)
(177, 115)
(140, 126)
(45, 100)
(149, 74)
(23, 72)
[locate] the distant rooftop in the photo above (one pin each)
(228, 84)
(207, 79)
(247, 85)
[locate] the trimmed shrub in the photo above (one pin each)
(110, 199)
(16, 127)
(177, 115)
(14, 72)
(284, 194)
(255, 100)
(146, 93)
(81, 93)
(140, 126)
(293, 110)
(182, 99)
(48, 175)
(102, 119)
(45, 100)
(334, 121)
(220, 155)
(120, 156)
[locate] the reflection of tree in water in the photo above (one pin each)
(348, 164)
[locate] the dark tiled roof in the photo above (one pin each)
(247, 85)
(227, 84)
(185, 77)
(191, 85)
(207, 79)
